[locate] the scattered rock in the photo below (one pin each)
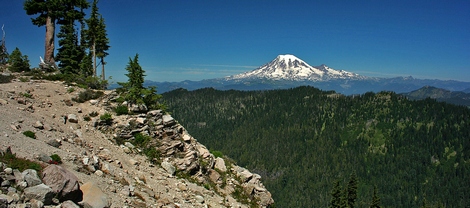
(99, 173)
(68, 102)
(134, 162)
(93, 102)
(44, 158)
(72, 118)
(69, 204)
(31, 177)
(54, 143)
(220, 164)
(93, 196)
(38, 125)
(168, 120)
(199, 199)
(168, 167)
(3, 102)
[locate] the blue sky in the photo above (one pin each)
(195, 40)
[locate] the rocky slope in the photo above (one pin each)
(110, 171)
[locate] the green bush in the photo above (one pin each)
(24, 79)
(87, 95)
(6, 78)
(87, 118)
(30, 134)
(70, 89)
(152, 154)
(141, 140)
(217, 153)
(107, 118)
(96, 83)
(27, 95)
(56, 159)
(121, 110)
(21, 164)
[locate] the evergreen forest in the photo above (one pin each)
(306, 143)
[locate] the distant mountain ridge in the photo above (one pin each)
(454, 97)
(288, 71)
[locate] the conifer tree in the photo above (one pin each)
(70, 53)
(102, 45)
(96, 37)
(18, 62)
(134, 85)
(352, 190)
(375, 199)
(134, 92)
(91, 33)
(335, 201)
(86, 68)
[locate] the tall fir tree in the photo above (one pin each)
(375, 199)
(336, 197)
(352, 190)
(96, 38)
(102, 45)
(70, 53)
(91, 33)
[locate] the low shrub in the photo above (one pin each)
(217, 153)
(6, 78)
(26, 95)
(70, 89)
(87, 95)
(121, 110)
(30, 134)
(141, 140)
(21, 164)
(152, 154)
(107, 118)
(55, 159)
(24, 79)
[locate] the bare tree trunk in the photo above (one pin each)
(50, 34)
(94, 58)
(102, 69)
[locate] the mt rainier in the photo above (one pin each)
(288, 71)
(289, 67)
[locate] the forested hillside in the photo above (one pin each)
(303, 140)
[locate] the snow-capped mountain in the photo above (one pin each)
(289, 67)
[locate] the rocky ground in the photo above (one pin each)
(185, 174)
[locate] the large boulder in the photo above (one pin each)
(40, 192)
(93, 197)
(63, 182)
